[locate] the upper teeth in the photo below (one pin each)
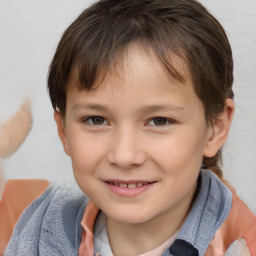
(131, 185)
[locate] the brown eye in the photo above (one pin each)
(97, 120)
(160, 121)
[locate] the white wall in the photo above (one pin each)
(29, 32)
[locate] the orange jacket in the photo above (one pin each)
(240, 225)
(18, 194)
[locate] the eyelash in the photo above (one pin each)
(167, 121)
(91, 121)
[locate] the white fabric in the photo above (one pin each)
(238, 248)
(101, 242)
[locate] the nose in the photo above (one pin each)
(126, 149)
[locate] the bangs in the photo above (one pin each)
(100, 37)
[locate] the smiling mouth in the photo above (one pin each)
(130, 185)
(128, 188)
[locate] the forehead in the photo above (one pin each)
(136, 81)
(174, 69)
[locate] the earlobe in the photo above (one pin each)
(61, 130)
(219, 130)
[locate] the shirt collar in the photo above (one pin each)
(87, 244)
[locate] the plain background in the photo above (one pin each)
(29, 32)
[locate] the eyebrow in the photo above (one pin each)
(160, 107)
(144, 109)
(91, 106)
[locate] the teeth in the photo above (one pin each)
(131, 185)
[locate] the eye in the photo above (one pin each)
(95, 120)
(160, 121)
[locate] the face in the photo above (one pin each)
(137, 141)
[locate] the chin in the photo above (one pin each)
(129, 217)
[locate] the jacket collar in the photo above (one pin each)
(209, 210)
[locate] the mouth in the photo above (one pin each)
(128, 188)
(129, 185)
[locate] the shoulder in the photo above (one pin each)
(237, 235)
(219, 223)
(212, 204)
(51, 222)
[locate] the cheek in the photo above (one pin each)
(179, 154)
(85, 152)
(86, 156)
(180, 147)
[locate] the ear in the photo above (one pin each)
(218, 132)
(59, 119)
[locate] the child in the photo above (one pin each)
(142, 93)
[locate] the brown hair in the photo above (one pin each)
(102, 33)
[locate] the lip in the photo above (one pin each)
(140, 187)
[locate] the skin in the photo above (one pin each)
(150, 128)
